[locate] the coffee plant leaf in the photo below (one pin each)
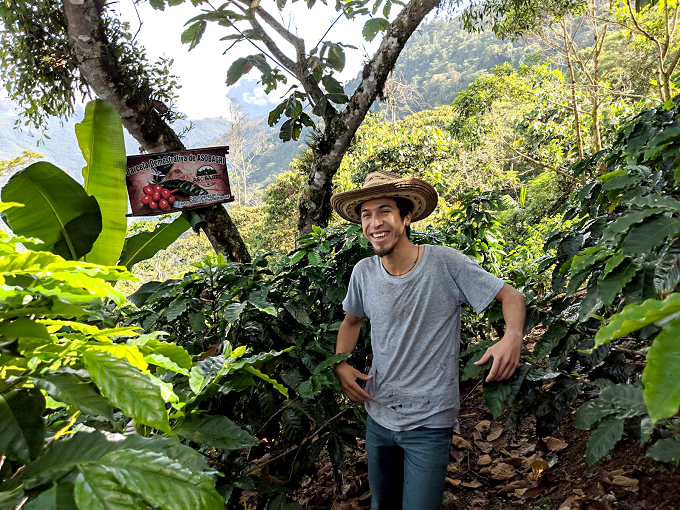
(656, 201)
(623, 223)
(470, 371)
(666, 450)
(636, 316)
(127, 389)
(550, 339)
(12, 498)
(497, 393)
(258, 299)
(660, 375)
(71, 390)
(585, 259)
(603, 439)
(22, 429)
(591, 412)
(291, 423)
(232, 312)
(277, 385)
(176, 308)
(174, 352)
(59, 497)
(612, 263)
(626, 398)
(667, 270)
(137, 479)
(336, 449)
(609, 286)
(330, 361)
(591, 303)
(164, 362)
(215, 431)
(651, 233)
(298, 313)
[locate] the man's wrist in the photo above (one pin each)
(516, 336)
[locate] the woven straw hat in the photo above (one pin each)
(383, 184)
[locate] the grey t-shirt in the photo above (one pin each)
(415, 334)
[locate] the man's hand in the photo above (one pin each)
(505, 354)
(348, 375)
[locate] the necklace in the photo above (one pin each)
(408, 270)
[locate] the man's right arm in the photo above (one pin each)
(348, 334)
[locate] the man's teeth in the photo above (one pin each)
(380, 236)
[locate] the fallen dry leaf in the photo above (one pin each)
(509, 487)
(484, 446)
(459, 456)
(502, 471)
(474, 484)
(519, 492)
(454, 482)
(485, 470)
(533, 492)
(484, 460)
(554, 445)
(516, 461)
(495, 433)
(537, 468)
(571, 503)
(483, 426)
(476, 435)
(461, 443)
(617, 472)
(599, 505)
(626, 482)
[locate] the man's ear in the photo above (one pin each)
(407, 220)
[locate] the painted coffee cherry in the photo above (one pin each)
(165, 192)
(171, 199)
(157, 188)
(163, 204)
(156, 196)
(153, 205)
(148, 190)
(146, 199)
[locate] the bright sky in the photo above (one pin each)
(202, 72)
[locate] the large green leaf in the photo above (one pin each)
(661, 375)
(665, 450)
(550, 339)
(622, 224)
(373, 26)
(100, 137)
(145, 476)
(603, 439)
(667, 270)
(591, 412)
(637, 316)
(22, 429)
(145, 245)
(215, 431)
(128, 389)
(59, 497)
(70, 389)
(58, 211)
(176, 353)
(627, 399)
(650, 234)
(611, 284)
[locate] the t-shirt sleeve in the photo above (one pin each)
(353, 303)
(477, 286)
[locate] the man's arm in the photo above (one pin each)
(348, 334)
(506, 351)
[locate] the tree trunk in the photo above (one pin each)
(102, 73)
(315, 206)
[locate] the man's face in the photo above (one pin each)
(382, 224)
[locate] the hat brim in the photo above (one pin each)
(422, 194)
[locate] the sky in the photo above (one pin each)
(202, 72)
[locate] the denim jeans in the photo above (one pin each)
(406, 470)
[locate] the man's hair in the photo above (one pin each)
(404, 205)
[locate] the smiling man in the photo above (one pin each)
(412, 296)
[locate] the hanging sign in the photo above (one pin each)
(173, 181)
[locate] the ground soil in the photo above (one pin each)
(492, 468)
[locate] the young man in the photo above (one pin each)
(412, 296)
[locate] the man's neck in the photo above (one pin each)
(402, 258)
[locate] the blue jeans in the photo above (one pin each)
(406, 470)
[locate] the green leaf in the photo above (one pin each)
(125, 478)
(71, 390)
(298, 312)
(650, 234)
(656, 201)
(614, 282)
(665, 450)
(627, 399)
(277, 385)
(667, 269)
(636, 316)
(59, 497)
(258, 299)
(336, 450)
(145, 245)
(22, 429)
(215, 431)
(128, 389)
(314, 258)
(100, 138)
(591, 412)
(193, 34)
(373, 26)
(550, 339)
(603, 439)
(24, 328)
(172, 351)
(232, 312)
(332, 85)
(275, 114)
(57, 210)
(623, 223)
(471, 370)
(238, 68)
(495, 395)
(661, 375)
(612, 263)
(330, 361)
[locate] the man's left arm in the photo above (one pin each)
(506, 351)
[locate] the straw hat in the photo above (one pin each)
(383, 184)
